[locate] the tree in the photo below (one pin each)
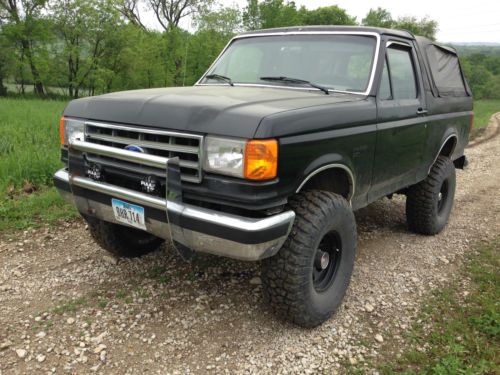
(170, 12)
(251, 15)
(226, 21)
(130, 10)
(278, 13)
(379, 17)
(85, 27)
(270, 13)
(5, 57)
(331, 15)
(25, 28)
(423, 27)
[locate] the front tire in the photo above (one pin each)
(429, 203)
(307, 280)
(122, 241)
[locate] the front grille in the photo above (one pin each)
(187, 147)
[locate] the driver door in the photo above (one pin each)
(401, 122)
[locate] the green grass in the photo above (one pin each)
(29, 156)
(29, 142)
(26, 211)
(70, 306)
(483, 110)
(464, 333)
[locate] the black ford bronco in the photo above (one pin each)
(268, 155)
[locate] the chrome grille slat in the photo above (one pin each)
(133, 167)
(146, 144)
(141, 130)
(165, 144)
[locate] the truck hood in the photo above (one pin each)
(222, 110)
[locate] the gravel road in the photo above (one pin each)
(67, 308)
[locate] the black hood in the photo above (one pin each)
(221, 110)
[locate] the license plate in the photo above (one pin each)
(128, 213)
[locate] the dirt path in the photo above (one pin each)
(65, 308)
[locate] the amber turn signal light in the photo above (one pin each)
(261, 159)
(61, 130)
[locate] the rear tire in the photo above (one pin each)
(306, 281)
(122, 241)
(429, 203)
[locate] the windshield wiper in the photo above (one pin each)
(297, 80)
(220, 78)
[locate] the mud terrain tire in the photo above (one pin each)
(429, 203)
(301, 283)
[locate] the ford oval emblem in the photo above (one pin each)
(135, 148)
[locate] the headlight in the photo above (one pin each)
(70, 130)
(253, 159)
(225, 156)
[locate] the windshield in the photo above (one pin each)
(336, 62)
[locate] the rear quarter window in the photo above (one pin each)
(446, 72)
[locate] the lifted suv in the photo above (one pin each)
(268, 155)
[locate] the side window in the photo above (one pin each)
(404, 84)
(446, 71)
(384, 91)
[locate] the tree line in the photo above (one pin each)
(481, 65)
(86, 47)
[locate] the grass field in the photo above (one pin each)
(29, 155)
(483, 109)
(29, 142)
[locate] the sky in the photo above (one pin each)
(459, 20)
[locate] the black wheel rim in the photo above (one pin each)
(442, 196)
(326, 262)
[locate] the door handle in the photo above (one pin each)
(422, 111)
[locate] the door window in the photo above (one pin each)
(402, 73)
(385, 92)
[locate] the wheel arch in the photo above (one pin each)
(336, 177)
(447, 148)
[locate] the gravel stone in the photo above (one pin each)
(21, 353)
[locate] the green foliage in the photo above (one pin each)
(330, 15)
(461, 335)
(28, 32)
(90, 47)
(279, 13)
(87, 30)
(381, 17)
(423, 27)
(483, 73)
(226, 21)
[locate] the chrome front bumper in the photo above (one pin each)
(197, 228)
